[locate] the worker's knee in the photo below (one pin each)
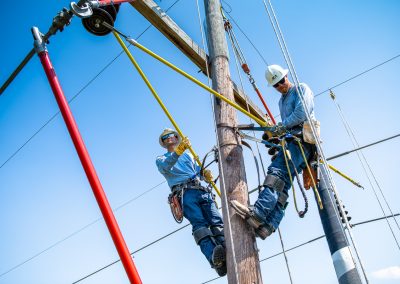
(274, 182)
(201, 234)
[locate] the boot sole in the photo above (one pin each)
(219, 257)
(240, 210)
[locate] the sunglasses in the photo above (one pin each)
(282, 81)
(166, 136)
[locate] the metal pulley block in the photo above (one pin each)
(94, 23)
(112, 10)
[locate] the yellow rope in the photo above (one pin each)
(160, 102)
(191, 78)
(285, 155)
(312, 177)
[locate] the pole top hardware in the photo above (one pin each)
(82, 11)
(39, 42)
(94, 14)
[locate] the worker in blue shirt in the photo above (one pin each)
(183, 177)
(268, 211)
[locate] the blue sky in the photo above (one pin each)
(45, 196)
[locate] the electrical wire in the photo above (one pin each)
(364, 162)
(78, 231)
(142, 248)
(358, 75)
(309, 242)
(246, 36)
(362, 147)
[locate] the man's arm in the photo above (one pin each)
(299, 114)
(165, 163)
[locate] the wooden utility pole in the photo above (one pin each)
(242, 256)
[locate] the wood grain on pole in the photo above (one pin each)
(232, 163)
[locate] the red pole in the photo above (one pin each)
(89, 170)
(265, 105)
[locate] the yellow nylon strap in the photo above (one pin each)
(312, 177)
(194, 80)
(196, 157)
(285, 155)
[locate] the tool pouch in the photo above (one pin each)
(174, 201)
(308, 136)
(307, 181)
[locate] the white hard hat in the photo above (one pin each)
(168, 131)
(274, 74)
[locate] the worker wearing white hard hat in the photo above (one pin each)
(268, 211)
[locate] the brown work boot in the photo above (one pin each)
(264, 231)
(246, 213)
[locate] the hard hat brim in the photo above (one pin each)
(285, 72)
(167, 131)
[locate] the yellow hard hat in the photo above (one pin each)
(168, 131)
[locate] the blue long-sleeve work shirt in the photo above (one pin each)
(177, 169)
(291, 108)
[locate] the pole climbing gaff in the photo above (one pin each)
(191, 78)
(105, 208)
(156, 96)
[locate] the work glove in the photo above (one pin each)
(208, 176)
(185, 144)
(272, 134)
(278, 129)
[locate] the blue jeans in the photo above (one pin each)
(266, 208)
(200, 209)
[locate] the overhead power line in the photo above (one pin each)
(142, 248)
(358, 75)
(362, 147)
(78, 231)
(311, 241)
(265, 61)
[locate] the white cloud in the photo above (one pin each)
(392, 272)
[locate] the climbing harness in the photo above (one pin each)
(291, 135)
(175, 198)
(196, 157)
(245, 67)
